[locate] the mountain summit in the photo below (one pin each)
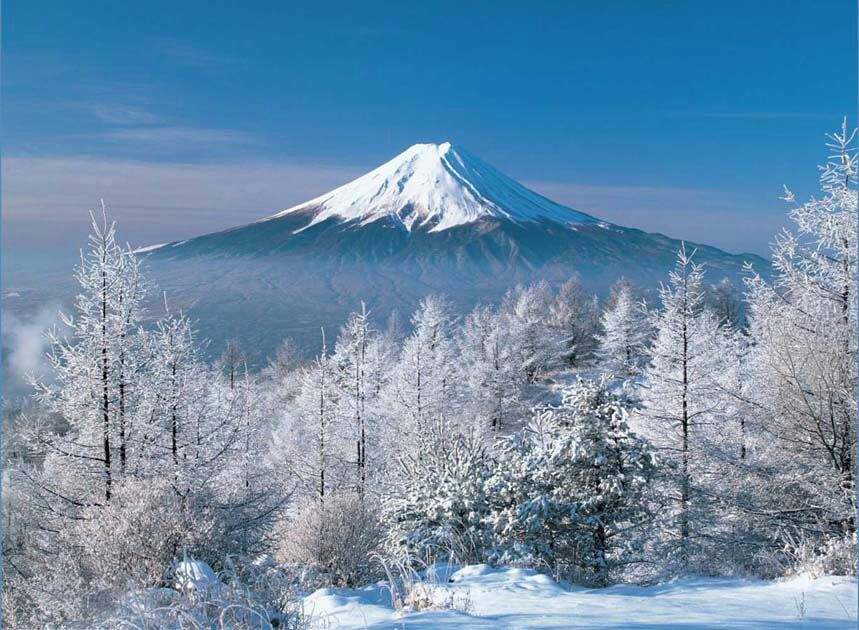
(434, 187)
(435, 219)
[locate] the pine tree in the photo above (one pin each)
(569, 493)
(438, 507)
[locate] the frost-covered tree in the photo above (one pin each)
(678, 396)
(726, 303)
(574, 318)
(625, 333)
(536, 344)
(178, 404)
(569, 492)
(136, 423)
(233, 362)
(803, 329)
(361, 362)
(315, 451)
(490, 371)
(421, 395)
(351, 365)
(95, 372)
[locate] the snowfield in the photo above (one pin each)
(521, 598)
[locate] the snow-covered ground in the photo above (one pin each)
(519, 598)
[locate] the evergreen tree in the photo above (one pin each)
(570, 491)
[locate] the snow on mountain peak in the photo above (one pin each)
(434, 187)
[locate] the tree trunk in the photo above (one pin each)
(684, 420)
(105, 399)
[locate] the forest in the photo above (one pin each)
(697, 428)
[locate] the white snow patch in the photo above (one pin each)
(521, 598)
(149, 248)
(196, 575)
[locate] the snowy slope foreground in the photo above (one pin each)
(518, 598)
(434, 187)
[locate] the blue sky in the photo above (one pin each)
(679, 117)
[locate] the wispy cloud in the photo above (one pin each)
(122, 114)
(732, 221)
(46, 198)
(162, 201)
(172, 136)
(748, 115)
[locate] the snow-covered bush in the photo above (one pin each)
(835, 556)
(438, 506)
(571, 488)
(338, 536)
(415, 586)
(136, 537)
(197, 597)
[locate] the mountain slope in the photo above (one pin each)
(435, 219)
(434, 187)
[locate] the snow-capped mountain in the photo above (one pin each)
(435, 219)
(434, 187)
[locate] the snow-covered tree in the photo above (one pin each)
(680, 380)
(96, 371)
(536, 344)
(490, 372)
(438, 506)
(574, 318)
(315, 452)
(569, 492)
(625, 333)
(361, 361)
(421, 395)
(233, 362)
(726, 303)
(136, 423)
(803, 329)
(178, 404)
